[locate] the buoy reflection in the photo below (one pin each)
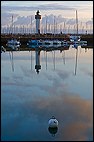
(53, 130)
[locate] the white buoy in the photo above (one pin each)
(53, 122)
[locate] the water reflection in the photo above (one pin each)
(76, 60)
(37, 66)
(11, 60)
(52, 50)
(28, 100)
(53, 131)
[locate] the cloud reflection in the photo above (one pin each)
(75, 115)
(28, 101)
(87, 72)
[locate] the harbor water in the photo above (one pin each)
(36, 85)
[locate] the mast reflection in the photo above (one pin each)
(11, 60)
(46, 60)
(76, 60)
(31, 60)
(47, 49)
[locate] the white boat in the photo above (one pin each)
(83, 43)
(13, 43)
(47, 42)
(75, 38)
(55, 42)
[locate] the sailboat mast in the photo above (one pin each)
(46, 24)
(12, 24)
(31, 24)
(54, 26)
(77, 22)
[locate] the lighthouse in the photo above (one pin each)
(37, 17)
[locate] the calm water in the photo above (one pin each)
(63, 88)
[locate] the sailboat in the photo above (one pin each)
(13, 43)
(75, 39)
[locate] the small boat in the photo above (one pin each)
(75, 38)
(64, 43)
(83, 43)
(47, 42)
(55, 42)
(34, 42)
(13, 43)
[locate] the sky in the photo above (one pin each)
(62, 10)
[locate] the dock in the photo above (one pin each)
(24, 38)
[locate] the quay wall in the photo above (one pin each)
(24, 38)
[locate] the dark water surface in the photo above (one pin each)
(62, 88)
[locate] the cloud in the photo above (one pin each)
(6, 18)
(23, 20)
(8, 11)
(50, 19)
(71, 22)
(90, 22)
(53, 6)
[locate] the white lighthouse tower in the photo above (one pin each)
(37, 17)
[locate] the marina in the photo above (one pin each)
(46, 71)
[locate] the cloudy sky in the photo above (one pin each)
(63, 10)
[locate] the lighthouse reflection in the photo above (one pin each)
(37, 66)
(52, 49)
(50, 56)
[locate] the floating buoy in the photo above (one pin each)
(53, 122)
